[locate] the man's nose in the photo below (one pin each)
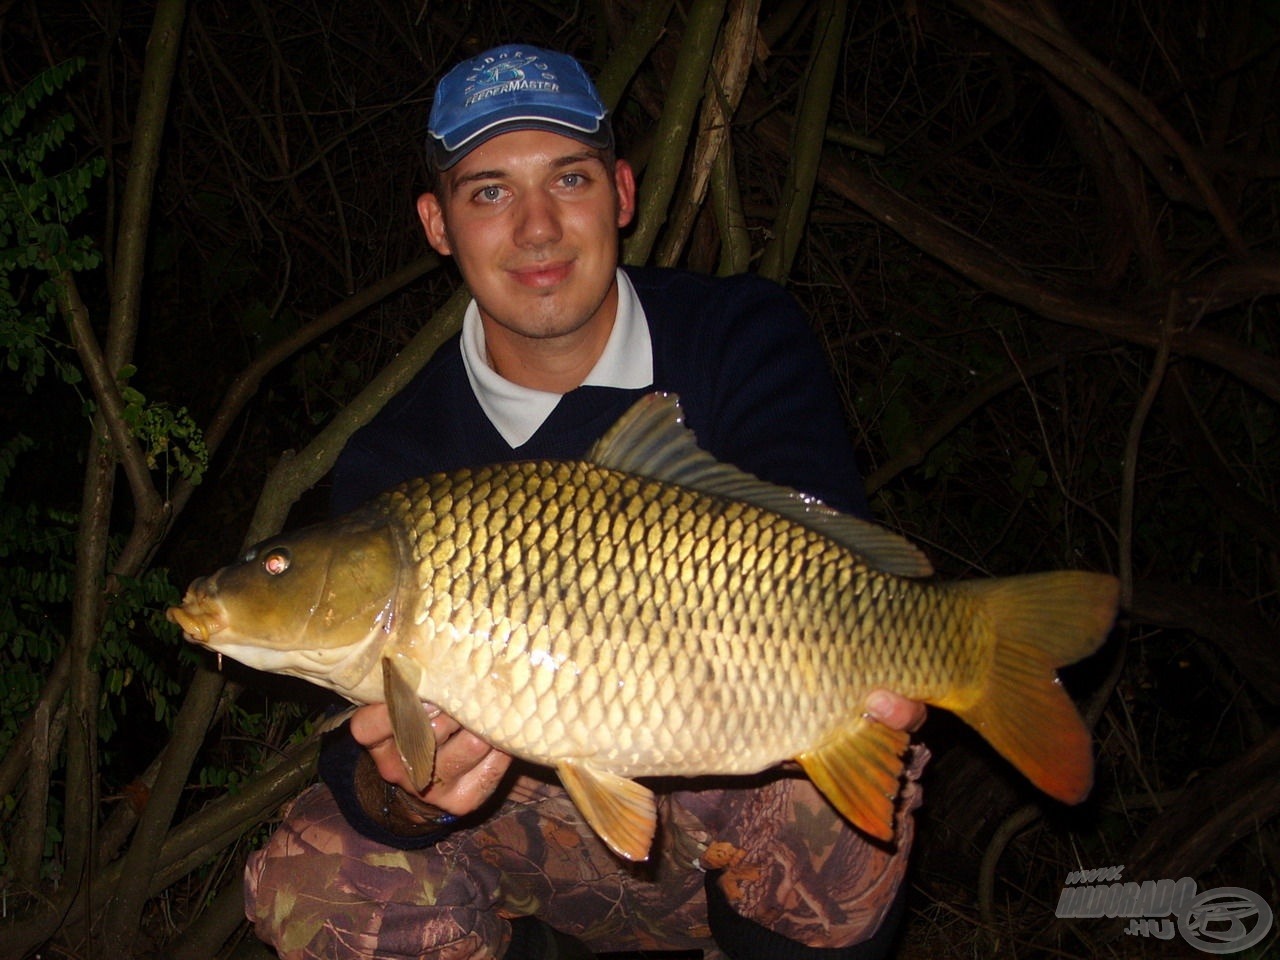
(538, 221)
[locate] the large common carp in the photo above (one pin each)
(650, 611)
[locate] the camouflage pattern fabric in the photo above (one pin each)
(319, 890)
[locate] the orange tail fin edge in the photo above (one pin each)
(1040, 622)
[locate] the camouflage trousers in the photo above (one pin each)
(319, 890)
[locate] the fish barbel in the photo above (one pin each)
(651, 611)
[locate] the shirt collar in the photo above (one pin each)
(517, 412)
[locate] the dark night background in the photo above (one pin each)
(1041, 251)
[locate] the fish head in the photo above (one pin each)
(319, 604)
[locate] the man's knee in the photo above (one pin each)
(319, 889)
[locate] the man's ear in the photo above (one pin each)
(624, 179)
(432, 217)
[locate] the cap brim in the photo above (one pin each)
(442, 158)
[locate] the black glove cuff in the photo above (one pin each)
(375, 808)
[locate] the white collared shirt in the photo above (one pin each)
(517, 412)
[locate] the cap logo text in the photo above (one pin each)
(509, 74)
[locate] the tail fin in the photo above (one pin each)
(1040, 621)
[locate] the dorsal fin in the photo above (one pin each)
(651, 440)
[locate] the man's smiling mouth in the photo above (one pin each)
(542, 274)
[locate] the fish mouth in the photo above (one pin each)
(195, 619)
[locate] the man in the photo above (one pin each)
(528, 198)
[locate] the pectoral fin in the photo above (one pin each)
(621, 811)
(414, 737)
(858, 769)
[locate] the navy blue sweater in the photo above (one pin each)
(751, 377)
(752, 380)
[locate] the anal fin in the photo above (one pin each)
(858, 770)
(414, 738)
(621, 811)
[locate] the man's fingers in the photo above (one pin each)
(391, 767)
(479, 770)
(443, 725)
(896, 711)
(371, 728)
(371, 725)
(467, 769)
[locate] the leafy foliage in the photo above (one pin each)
(44, 191)
(168, 435)
(35, 586)
(139, 649)
(37, 208)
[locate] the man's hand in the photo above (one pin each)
(467, 772)
(895, 711)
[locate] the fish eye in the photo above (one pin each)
(276, 561)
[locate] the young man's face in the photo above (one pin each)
(532, 219)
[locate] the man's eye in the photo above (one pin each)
(489, 194)
(573, 180)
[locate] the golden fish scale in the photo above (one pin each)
(566, 610)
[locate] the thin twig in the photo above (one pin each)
(1129, 471)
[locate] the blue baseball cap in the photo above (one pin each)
(513, 87)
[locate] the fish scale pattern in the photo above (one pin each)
(565, 610)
